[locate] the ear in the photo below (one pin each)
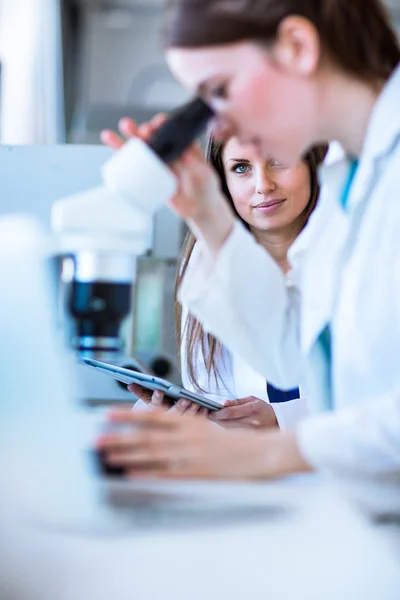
(297, 47)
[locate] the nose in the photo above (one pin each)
(264, 181)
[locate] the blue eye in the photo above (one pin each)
(241, 168)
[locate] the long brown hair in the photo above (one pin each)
(355, 34)
(195, 338)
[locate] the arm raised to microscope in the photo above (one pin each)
(105, 229)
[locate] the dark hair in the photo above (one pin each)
(355, 34)
(196, 339)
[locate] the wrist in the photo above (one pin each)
(271, 420)
(283, 456)
(213, 226)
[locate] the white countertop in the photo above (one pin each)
(297, 539)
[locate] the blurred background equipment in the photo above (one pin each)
(83, 65)
(114, 65)
(31, 179)
(32, 86)
(102, 232)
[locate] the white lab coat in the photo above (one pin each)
(346, 272)
(238, 380)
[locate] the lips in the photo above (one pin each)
(270, 203)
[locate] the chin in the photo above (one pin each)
(271, 224)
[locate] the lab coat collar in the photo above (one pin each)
(332, 179)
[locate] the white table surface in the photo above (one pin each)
(295, 539)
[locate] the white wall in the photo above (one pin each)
(31, 94)
(122, 68)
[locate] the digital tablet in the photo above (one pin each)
(150, 382)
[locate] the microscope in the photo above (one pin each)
(47, 466)
(104, 232)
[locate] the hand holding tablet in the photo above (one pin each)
(151, 382)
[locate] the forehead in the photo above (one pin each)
(194, 66)
(234, 149)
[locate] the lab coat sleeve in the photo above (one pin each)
(288, 414)
(243, 299)
(359, 439)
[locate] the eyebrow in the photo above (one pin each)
(242, 160)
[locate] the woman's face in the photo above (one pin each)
(267, 195)
(256, 96)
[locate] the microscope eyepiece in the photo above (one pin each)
(147, 188)
(180, 130)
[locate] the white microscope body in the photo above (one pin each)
(46, 441)
(105, 230)
(47, 466)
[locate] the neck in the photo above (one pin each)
(348, 106)
(278, 242)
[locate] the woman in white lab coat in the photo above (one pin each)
(274, 202)
(283, 75)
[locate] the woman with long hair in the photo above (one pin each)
(274, 202)
(282, 75)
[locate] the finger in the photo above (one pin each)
(155, 447)
(158, 120)
(134, 459)
(192, 409)
(111, 139)
(140, 392)
(234, 412)
(203, 412)
(247, 422)
(172, 466)
(119, 441)
(144, 131)
(147, 440)
(164, 470)
(150, 472)
(165, 462)
(157, 398)
(240, 401)
(180, 406)
(128, 127)
(156, 418)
